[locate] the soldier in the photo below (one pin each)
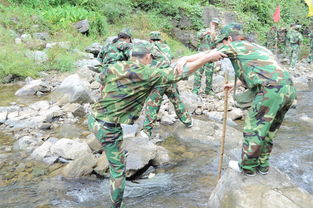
(127, 85)
(256, 68)
(311, 47)
(206, 38)
(118, 50)
(294, 39)
(271, 38)
(282, 41)
(162, 59)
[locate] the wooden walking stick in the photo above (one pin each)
(220, 164)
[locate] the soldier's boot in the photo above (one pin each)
(236, 167)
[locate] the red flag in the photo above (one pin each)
(276, 16)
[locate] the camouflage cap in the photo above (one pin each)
(125, 33)
(155, 35)
(142, 47)
(216, 20)
(229, 30)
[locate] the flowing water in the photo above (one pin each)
(186, 184)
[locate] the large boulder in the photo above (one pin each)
(190, 100)
(82, 26)
(206, 132)
(81, 166)
(102, 165)
(94, 48)
(270, 191)
(70, 149)
(73, 90)
(33, 87)
(44, 151)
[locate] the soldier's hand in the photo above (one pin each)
(216, 55)
(228, 88)
(180, 65)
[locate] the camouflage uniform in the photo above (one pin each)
(256, 67)
(294, 39)
(118, 50)
(127, 85)
(271, 37)
(311, 47)
(162, 59)
(206, 43)
(282, 41)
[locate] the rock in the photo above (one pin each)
(70, 149)
(301, 83)
(18, 41)
(206, 132)
(129, 130)
(65, 45)
(168, 119)
(236, 114)
(54, 112)
(38, 56)
(102, 165)
(41, 35)
(32, 88)
(95, 85)
(92, 64)
(3, 116)
(162, 157)
(94, 48)
(75, 108)
(272, 190)
(86, 74)
(44, 150)
(40, 105)
(218, 117)
(93, 143)
(190, 100)
(73, 90)
(38, 172)
(26, 37)
(81, 166)
(82, 26)
(21, 167)
(140, 152)
(26, 143)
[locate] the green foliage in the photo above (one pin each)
(13, 59)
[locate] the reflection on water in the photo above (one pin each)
(7, 96)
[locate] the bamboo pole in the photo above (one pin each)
(220, 164)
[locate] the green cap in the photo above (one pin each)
(216, 20)
(229, 30)
(125, 33)
(155, 35)
(142, 47)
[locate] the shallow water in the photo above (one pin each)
(187, 184)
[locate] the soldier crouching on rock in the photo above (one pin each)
(256, 68)
(127, 85)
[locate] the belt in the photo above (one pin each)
(109, 124)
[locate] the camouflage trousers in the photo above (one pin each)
(262, 123)
(111, 140)
(153, 105)
(293, 54)
(208, 70)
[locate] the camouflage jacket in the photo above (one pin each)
(294, 37)
(206, 42)
(113, 52)
(161, 55)
(255, 65)
(127, 85)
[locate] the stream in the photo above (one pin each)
(186, 184)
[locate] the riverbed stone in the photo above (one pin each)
(75, 108)
(44, 150)
(236, 114)
(273, 190)
(70, 149)
(86, 74)
(73, 90)
(162, 157)
(93, 143)
(92, 64)
(40, 105)
(3, 116)
(102, 165)
(140, 152)
(81, 166)
(26, 143)
(33, 87)
(94, 48)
